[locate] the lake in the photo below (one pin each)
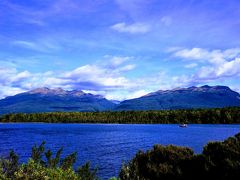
(107, 145)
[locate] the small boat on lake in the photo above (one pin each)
(183, 125)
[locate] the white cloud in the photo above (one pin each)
(192, 65)
(93, 77)
(134, 28)
(127, 68)
(9, 91)
(215, 57)
(215, 64)
(137, 94)
(118, 64)
(194, 53)
(97, 77)
(11, 81)
(21, 76)
(227, 69)
(109, 78)
(125, 94)
(11, 76)
(115, 61)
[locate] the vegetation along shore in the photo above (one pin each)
(229, 115)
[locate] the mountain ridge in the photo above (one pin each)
(184, 98)
(51, 100)
(204, 88)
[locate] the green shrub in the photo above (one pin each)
(53, 168)
(219, 160)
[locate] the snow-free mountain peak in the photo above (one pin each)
(184, 98)
(56, 91)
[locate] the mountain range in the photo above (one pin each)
(52, 100)
(184, 98)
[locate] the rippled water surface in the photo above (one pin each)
(107, 145)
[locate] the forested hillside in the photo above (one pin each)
(204, 116)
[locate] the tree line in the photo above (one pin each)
(228, 115)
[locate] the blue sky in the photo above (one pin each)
(118, 48)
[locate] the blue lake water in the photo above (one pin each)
(107, 145)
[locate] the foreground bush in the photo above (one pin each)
(219, 160)
(43, 166)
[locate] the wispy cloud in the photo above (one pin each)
(166, 20)
(192, 65)
(26, 44)
(8, 63)
(39, 16)
(43, 45)
(115, 61)
(135, 28)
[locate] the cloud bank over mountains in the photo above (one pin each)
(121, 49)
(108, 77)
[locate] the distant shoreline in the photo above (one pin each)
(177, 124)
(230, 115)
